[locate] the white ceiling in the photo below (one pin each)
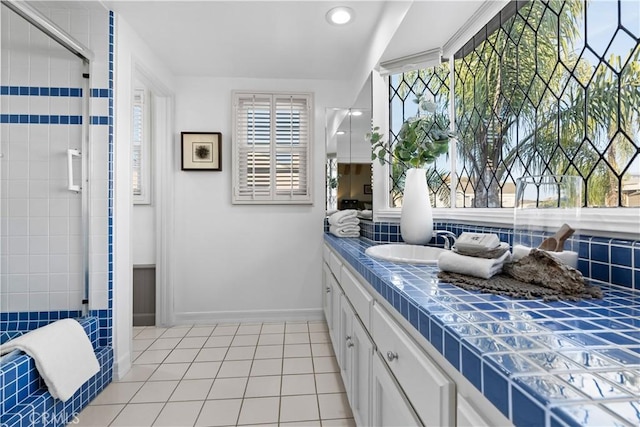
(281, 39)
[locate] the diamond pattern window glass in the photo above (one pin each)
(555, 89)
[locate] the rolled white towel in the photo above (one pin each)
(345, 231)
(569, 258)
(472, 266)
(347, 216)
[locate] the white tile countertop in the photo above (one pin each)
(540, 363)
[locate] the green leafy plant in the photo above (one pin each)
(420, 141)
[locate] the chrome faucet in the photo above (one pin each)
(448, 236)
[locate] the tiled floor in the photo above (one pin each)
(265, 374)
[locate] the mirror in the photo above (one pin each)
(349, 155)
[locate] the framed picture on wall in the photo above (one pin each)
(367, 189)
(201, 151)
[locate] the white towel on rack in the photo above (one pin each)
(472, 266)
(63, 355)
(345, 231)
(347, 216)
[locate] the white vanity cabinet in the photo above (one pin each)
(355, 359)
(428, 388)
(388, 403)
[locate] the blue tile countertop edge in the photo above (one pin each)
(540, 363)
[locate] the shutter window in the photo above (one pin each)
(140, 149)
(272, 135)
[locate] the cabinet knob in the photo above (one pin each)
(347, 338)
(391, 356)
(328, 289)
(350, 343)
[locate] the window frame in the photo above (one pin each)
(146, 155)
(273, 198)
(610, 222)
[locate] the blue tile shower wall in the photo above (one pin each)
(615, 261)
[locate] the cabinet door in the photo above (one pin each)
(389, 406)
(336, 338)
(344, 354)
(361, 348)
(468, 416)
(328, 285)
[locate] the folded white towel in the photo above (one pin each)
(345, 216)
(569, 258)
(365, 214)
(345, 231)
(63, 355)
(472, 266)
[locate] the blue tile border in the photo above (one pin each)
(74, 92)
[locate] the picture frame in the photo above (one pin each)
(367, 189)
(201, 151)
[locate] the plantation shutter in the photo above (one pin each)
(272, 148)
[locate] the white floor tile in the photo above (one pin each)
(272, 328)
(268, 352)
(259, 410)
(244, 340)
(219, 412)
(222, 341)
(182, 355)
(299, 408)
(215, 354)
(139, 415)
(169, 372)
(318, 327)
(298, 365)
(240, 353)
(329, 383)
(334, 405)
(191, 390)
(179, 414)
(263, 386)
(296, 338)
(200, 331)
(150, 333)
(138, 373)
(348, 422)
(222, 330)
(301, 424)
(325, 364)
(266, 367)
(297, 350)
(155, 391)
(296, 327)
(142, 344)
(249, 329)
(97, 415)
(175, 332)
(271, 339)
(234, 368)
(298, 384)
(320, 350)
(117, 393)
(165, 344)
(192, 342)
(319, 337)
(151, 357)
(228, 388)
(202, 370)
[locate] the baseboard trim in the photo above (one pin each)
(121, 366)
(209, 317)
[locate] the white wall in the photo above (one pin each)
(133, 56)
(144, 224)
(237, 261)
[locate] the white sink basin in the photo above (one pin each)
(411, 254)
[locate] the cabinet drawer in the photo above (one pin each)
(335, 265)
(468, 416)
(429, 390)
(358, 296)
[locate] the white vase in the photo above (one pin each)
(416, 219)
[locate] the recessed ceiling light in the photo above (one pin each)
(340, 15)
(356, 113)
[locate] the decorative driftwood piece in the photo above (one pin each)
(544, 270)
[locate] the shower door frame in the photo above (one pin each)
(41, 22)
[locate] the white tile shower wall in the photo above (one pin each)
(40, 228)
